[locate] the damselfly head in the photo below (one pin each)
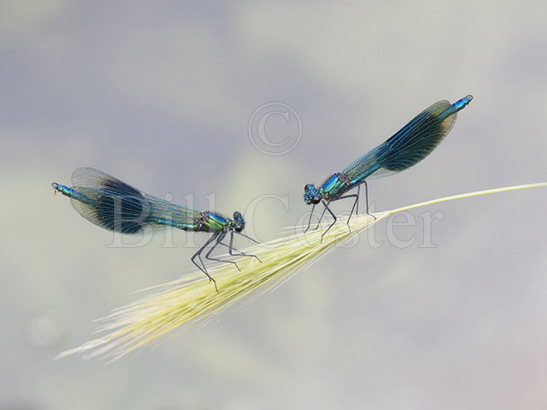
(311, 195)
(239, 224)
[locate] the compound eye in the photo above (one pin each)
(238, 222)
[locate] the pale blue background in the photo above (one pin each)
(160, 95)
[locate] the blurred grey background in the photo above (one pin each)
(162, 96)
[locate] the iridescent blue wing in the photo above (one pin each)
(408, 146)
(114, 205)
